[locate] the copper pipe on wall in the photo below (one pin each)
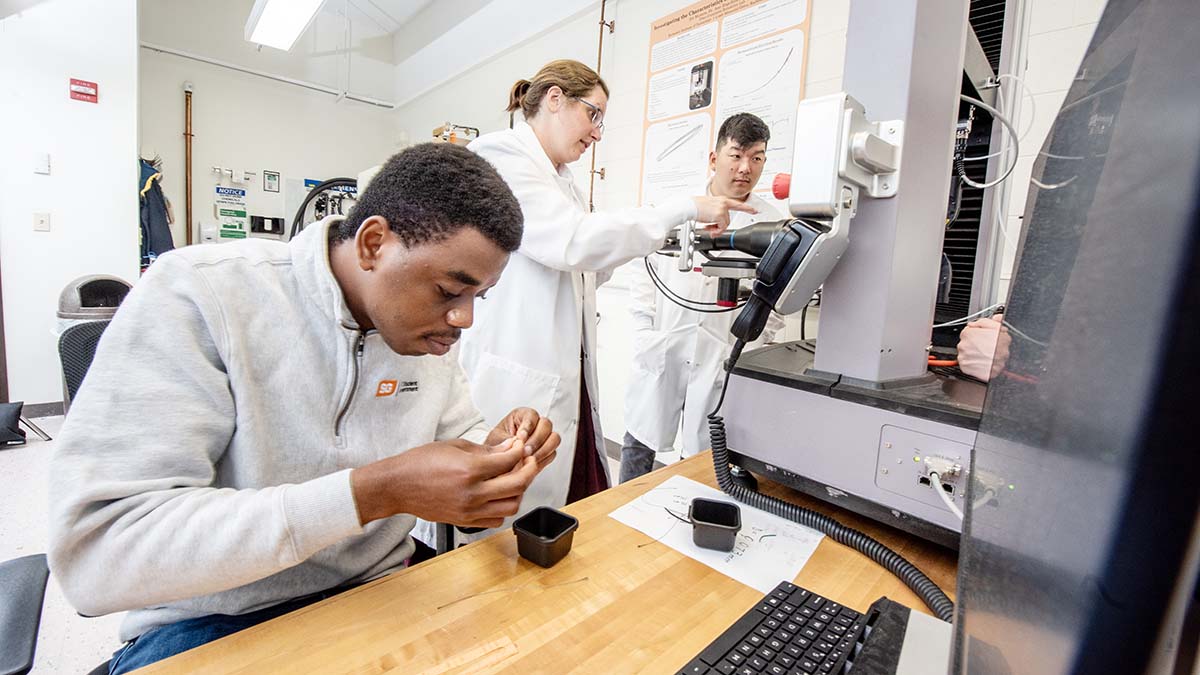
(187, 161)
(611, 25)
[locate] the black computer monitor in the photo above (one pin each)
(1087, 466)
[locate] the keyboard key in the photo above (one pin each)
(823, 645)
(815, 602)
(726, 668)
(764, 631)
(816, 625)
(777, 669)
(696, 667)
(815, 655)
(736, 658)
(826, 667)
(802, 642)
(766, 654)
(837, 628)
(792, 627)
(727, 640)
(789, 608)
(772, 623)
(799, 596)
(785, 661)
(764, 608)
(810, 633)
(774, 602)
(756, 640)
(794, 651)
(784, 636)
(747, 670)
(830, 637)
(775, 644)
(833, 607)
(781, 594)
(807, 665)
(746, 648)
(825, 616)
(845, 621)
(757, 663)
(780, 616)
(787, 586)
(807, 612)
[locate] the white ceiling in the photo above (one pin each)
(382, 16)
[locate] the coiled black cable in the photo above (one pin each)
(923, 586)
(298, 220)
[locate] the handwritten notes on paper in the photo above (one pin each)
(768, 548)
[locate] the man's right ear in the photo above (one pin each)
(369, 240)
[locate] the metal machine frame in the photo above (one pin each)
(859, 421)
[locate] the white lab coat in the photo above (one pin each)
(524, 347)
(678, 354)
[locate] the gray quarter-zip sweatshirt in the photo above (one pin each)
(205, 464)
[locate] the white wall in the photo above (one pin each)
(254, 124)
(216, 29)
(91, 191)
(1059, 33)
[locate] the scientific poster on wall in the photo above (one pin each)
(708, 61)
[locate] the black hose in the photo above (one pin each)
(298, 220)
(923, 586)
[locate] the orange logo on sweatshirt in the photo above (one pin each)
(385, 388)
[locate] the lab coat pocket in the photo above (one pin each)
(498, 385)
(649, 352)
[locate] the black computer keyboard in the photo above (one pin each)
(791, 630)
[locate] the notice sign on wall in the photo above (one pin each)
(711, 60)
(82, 90)
(229, 207)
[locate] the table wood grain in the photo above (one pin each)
(620, 602)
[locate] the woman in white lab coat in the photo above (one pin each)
(534, 338)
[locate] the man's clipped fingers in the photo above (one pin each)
(538, 438)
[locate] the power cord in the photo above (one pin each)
(1015, 148)
(937, 487)
(988, 495)
(970, 317)
(682, 301)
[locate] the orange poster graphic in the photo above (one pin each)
(708, 61)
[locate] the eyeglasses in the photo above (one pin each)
(595, 114)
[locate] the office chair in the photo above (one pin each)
(22, 591)
(22, 588)
(76, 348)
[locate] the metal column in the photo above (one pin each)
(904, 60)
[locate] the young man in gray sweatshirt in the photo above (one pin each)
(264, 421)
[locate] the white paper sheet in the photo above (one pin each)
(769, 549)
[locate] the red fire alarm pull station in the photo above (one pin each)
(82, 90)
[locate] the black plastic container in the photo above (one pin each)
(544, 535)
(714, 524)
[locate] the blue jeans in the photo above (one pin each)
(174, 638)
(636, 459)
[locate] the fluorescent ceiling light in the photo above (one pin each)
(278, 23)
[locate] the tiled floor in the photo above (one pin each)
(67, 643)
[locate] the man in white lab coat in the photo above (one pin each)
(678, 352)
